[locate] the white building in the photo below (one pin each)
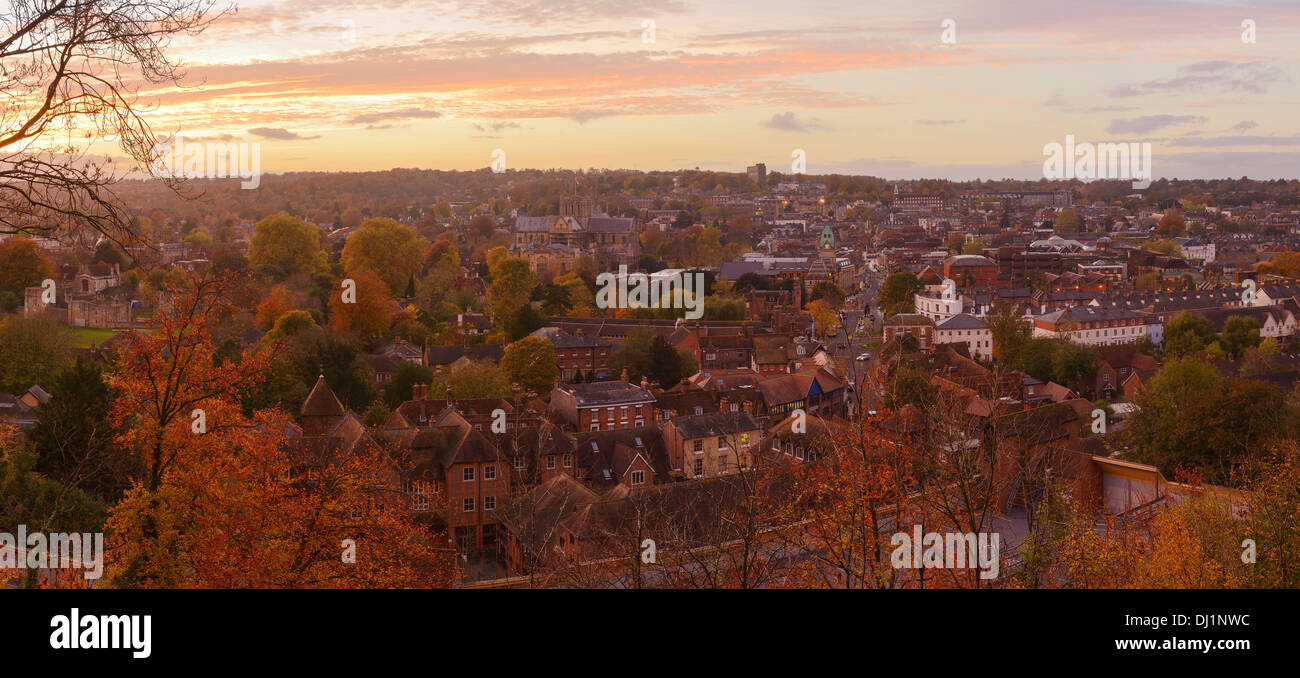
(969, 330)
(1097, 326)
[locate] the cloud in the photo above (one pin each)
(390, 116)
(496, 126)
(533, 12)
(1224, 76)
(1238, 140)
(788, 123)
(1244, 126)
(278, 133)
(940, 123)
(1149, 123)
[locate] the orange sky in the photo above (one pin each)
(864, 87)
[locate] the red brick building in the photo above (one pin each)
(604, 406)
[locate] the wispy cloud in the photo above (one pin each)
(394, 116)
(278, 133)
(1237, 140)
(1150, 123)
(787, 122)
(1220, 76)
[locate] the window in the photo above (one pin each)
(468, 474)
(519, 463)
(699, 446)
(699, 467)
(489, 503)
(568, 461)
(469, 504)
(722, 442)
(638, 477)
(420, 495)
(595, 425)
(722, 464)
(550, 461)
(490, 472)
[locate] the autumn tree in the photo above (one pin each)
(23, 264)
(390, 250)
(221, 503)
(1171, 225)
(288, 244)
(277, 302)
(826, 318)
(369, 311)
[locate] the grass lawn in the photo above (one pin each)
(84, 337)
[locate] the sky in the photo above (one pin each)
(862, 87)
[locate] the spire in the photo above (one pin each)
(322, 402)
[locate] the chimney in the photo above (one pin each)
(577, 332)
(419, 391)
(645, 381)
(623, 376)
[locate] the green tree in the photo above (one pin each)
(1067, 221)
(635, 355)
(400, 389)
(32, 350)
(73, 438)
(1009, 330)
(896, 292)
(288, 244)
(512, 286)
(1191, 417)
(526, 320)
(476, 380)
(530, 362)
(1187, 334)
(1239, 333)
(667, 366)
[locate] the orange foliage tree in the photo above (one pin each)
(236, 500)
(372, 309)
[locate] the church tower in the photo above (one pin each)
(826, 244)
